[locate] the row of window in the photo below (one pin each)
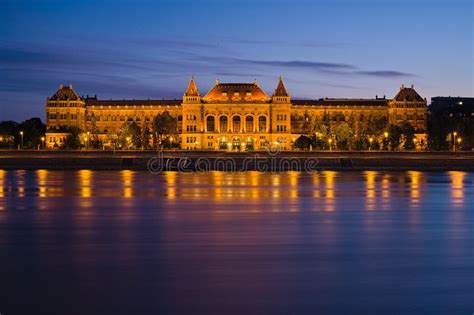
(281, 117)
(281, 128)
(410, 117)
(62, 116)
(63, 104)
(191, 139)
(236, 123)
(59, 139)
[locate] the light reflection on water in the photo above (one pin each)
(332, 242)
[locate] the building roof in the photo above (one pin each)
(96, 102)
(65, 93)
(408, 94)
(192, 89)
(280, 90)
(236, 92)
(341, 102)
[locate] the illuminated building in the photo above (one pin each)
(231, 116)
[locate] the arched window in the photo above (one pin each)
(223, 124)
(249, 124)
(262, 123)
(210, 122)
(236, 124)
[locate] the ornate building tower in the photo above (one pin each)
(192, 121)
(408, 106)
(281, 116)
(64, 109)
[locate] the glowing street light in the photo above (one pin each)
(454, 140)
(128, 142)
(330, 141)
(42, 141)
(385, 134)
(21, 134)
(370, 142)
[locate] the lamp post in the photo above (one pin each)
(42, 142)
(330, 146)
(459, 142)
(386, 134)
(454, 140)
(21, 134)
(88, 139)
(128, 143)
(370, 142)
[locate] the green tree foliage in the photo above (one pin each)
(343, 135)
(395, 137)
(129, 136)
(380, 125)
(94, 142)
(33, 129)
(440, 125)
(144, 137)
(408, 135)
(303, 143)
(73, 140)
(8, 132)
(165, 127)
(308, 123)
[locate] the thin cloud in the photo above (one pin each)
(386, 74)
(300, 64)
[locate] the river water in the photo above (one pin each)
(123, 242)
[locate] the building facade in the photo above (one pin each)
(230, 116)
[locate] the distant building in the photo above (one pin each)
(231, 116)
(453, 106)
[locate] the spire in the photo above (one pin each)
(192, 88)
(280, 90)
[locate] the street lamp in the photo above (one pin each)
(21, 134)
(330, 141)
(454, 140)
(128, 142)
(386, 141)
(42, 141)
(459, 142)
(370, 142)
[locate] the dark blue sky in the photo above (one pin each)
(149, 49)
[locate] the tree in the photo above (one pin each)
(409, 135)
(308, 125)
(165, 126)
(144, 137)
(73, 140)
(320, 137)
(343, 135)
(303, 143)
(379, 125)
(8, 133)
(33, 129)
(395, 136)
(94, 141)
(129, 136)
(439, 126)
